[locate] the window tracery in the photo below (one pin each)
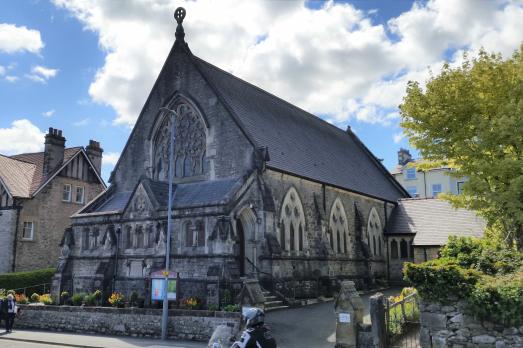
(194, 233)
(292, 223)
(338, 228)
(374, 233)
(189, 147)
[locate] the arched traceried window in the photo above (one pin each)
(189, 147)
(339, 227)
(374, 232)
(292, 234)
(404, 251)
(139, 237)
(200, 233)
(85, 239)
(128, 237)
(189, 239)
(393, 249)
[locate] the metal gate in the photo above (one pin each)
(402, 322)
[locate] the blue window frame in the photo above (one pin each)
(436, 190)
(410, 173)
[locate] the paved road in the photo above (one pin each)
(312, 326)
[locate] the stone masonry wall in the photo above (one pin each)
(50, 216)
(452, 326)
(7, 230)
(136, 322)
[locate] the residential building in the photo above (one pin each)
(427, 183)
(38, 194)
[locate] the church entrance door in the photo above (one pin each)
(246, 229)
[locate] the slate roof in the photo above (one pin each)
(433, 221)
(23, 173)
(299, 142)
(186, 195)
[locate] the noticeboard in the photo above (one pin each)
(157, 288)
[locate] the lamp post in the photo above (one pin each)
(165, 308)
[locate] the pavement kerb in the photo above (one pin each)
(48, 342)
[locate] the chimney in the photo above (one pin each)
(94, 151)
(53, 150)
(404, 156)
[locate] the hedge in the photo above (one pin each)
(488, 277)
(20, 280)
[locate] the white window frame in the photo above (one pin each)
(434, 192)
(76, 194)
(410, 189)
(410, 173)
(70, 193)
(26, 223)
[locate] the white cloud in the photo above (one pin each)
(16, 39)
(110, 158)
(49, 113)
(334, 61)
(22, 136)
(41, 73)
(82, 122)
(2, 70)
(12, 78)
(398, 137)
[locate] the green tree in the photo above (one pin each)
(471, 118)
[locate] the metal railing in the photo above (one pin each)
(402, 321)
(43, 288)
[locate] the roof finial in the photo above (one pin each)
(179, 15)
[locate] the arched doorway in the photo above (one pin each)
(246, 230)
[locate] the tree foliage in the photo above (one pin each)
(471, 118)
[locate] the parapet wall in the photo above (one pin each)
(452, 326)
(136, 322)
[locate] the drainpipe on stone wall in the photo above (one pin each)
(15, 239)
(324, 197)
(425, 184)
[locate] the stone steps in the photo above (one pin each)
(272, 302)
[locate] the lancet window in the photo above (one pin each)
(338, 228)
(374, 233)
(189, 147)
(194, 233)
(292, 223)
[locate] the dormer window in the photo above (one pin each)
(410, 173)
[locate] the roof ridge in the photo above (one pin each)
(307, 113)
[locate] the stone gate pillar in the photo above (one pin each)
(349, 314)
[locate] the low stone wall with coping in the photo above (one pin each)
(452, 326)
(136, 322)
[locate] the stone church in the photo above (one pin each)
(262, 189)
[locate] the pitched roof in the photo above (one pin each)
(17, 176)
(433, 221)
(37, 159)
(23, 173)
(299, 142)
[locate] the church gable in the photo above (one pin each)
(140, 205)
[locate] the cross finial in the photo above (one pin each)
(179, 15)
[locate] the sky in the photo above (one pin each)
(87, 66)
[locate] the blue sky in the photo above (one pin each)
(86, 67)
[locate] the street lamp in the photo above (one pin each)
(165, 308)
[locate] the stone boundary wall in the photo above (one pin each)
(136, 322)
(452, 326)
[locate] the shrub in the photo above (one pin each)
(116, 299)
(97, 295)
(212, 307)
(133, 298)
(18, 280)
(89, 300)
(192, 303)
(435, 280)
(232, 308)
(77, 299)
(21, 299)
(66, 297)
(35, 298)
(46, 299)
